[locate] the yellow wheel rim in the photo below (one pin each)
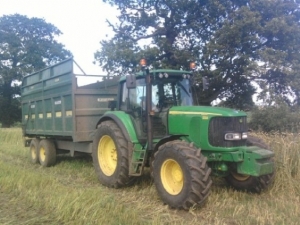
(107, 155)
(42, 154)
(172, 177)
(239, 177)
(33, 152)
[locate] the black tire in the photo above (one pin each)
(181, 175)
(34, 150)
(47, 153)
(251, 183)
(112, 169)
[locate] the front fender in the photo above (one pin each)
(167, 139)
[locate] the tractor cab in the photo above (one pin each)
(168, 88)
(148, 96)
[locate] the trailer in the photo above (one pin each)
(62, 112)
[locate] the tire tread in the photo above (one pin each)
(199, 184)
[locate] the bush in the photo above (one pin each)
(280, 118)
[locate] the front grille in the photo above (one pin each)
(218, 126)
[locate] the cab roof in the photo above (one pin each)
(157, 71)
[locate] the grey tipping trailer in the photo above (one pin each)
(61, 113)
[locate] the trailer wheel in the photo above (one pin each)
(33, 150)
(181, 175)
(47, 153)
(251, 183)
(110, 156)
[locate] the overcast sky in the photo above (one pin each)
(82, 23)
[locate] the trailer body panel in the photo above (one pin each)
(55, 106)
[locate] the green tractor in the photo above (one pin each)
(154, 124)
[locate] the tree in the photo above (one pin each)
(26, 45)
(275, 118)
(234, 42)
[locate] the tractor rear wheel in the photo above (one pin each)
(181, 175)
(47, 153)
(34, 150)
(251, 183)
(110, 156)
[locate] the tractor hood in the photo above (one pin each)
(206, 111)
(205, 126)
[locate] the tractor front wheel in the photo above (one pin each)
(181, 175)
(110, 157)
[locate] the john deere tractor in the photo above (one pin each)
(155, 124)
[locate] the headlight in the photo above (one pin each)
(244, 135)
(232, 136)
(235, 136)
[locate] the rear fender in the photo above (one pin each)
(135, 150)
(124, 123)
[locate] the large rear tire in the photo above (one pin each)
(47, 153)
(251, 183)
(110, 156)
(181, 175)
(34, 150)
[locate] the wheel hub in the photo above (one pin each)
(239, 177)
(107, 155)
(33, 152)
(172, 177)
(42, 154)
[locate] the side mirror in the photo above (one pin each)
(130, 82)
(112, 105)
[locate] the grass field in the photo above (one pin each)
(69, 193)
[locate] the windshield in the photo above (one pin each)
(171, 92)
(166, 92)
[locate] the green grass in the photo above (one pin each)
(69, 192)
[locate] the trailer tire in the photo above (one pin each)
(110, 156)
(181, 175)
(47, 153)
(34, 150)
(251, 183)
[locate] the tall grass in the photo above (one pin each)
(69, 192)
(287, 148)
